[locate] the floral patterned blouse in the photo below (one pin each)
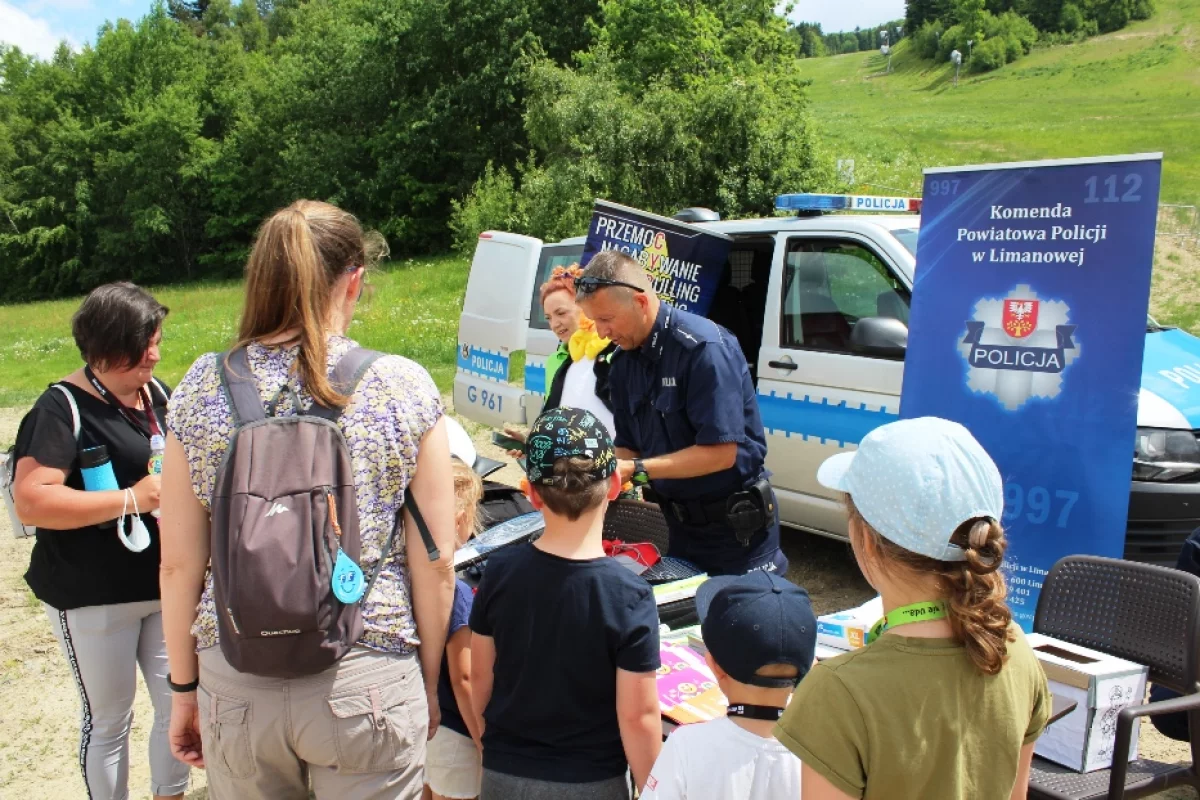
(393, 407)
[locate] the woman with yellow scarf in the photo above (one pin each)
(577, 373)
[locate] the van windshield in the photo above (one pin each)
(907, 237)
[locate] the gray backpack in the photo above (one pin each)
(283, 506)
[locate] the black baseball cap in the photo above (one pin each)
(753, 620)
(565, 433)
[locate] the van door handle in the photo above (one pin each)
(786, 363)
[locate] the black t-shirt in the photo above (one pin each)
(460, 613)
(561, 629)
(89, 566)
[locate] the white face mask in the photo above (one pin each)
(138, 538)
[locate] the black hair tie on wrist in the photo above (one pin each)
(182, 687)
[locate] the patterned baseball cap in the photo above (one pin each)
(566, 433)
(916, 481)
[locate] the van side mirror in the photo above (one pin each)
(882, 337)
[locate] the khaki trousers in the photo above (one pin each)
(357, 730)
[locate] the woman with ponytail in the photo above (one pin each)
(357, 729)
(946, 699)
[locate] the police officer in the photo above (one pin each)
(687, 421)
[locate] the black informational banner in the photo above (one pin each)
(684, 261)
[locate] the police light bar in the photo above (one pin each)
(846, 202)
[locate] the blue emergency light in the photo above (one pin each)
(815, 203)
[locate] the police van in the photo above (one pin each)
(819, 303)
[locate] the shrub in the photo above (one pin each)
(490, 206)
(926, 39)
(991, 54)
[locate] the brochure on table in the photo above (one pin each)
(847, 630)
(687, 688)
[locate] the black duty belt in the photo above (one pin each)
(748, 511)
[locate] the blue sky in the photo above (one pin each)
(844, 15)
(36, 26)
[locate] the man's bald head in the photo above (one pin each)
(621, 313)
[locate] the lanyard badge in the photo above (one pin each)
(905, 615)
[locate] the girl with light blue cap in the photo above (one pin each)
(947, 699)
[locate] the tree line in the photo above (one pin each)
(988, 33)
(992, 33)
(812, 42)
(154, 153)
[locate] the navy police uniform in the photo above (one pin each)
(688, 384)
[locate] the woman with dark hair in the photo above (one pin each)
(95, 562)
(357, 729)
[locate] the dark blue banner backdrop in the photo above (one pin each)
(685, 262)
(1028, 323)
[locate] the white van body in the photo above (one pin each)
(797, 285)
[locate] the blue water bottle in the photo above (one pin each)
(97, 470)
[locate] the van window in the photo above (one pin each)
(829, 285)
(908, 238)
(552, 256)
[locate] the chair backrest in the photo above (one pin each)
(1140, 612)
(635, 521)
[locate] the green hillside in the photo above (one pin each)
(1136, 90)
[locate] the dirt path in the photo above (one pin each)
(39, 706)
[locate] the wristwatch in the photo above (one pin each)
(182, 688)
(640, 476)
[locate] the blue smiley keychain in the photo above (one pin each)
(348, 584)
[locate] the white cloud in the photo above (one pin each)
(29, 33)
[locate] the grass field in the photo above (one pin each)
(1136, 90)
(412, 309)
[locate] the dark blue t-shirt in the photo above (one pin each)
(460, 615)
(561, 629)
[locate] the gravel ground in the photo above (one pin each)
(39, 706)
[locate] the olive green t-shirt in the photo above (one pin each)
(912, 718)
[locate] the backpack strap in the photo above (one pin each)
(240, 389)
(430, 546)
(74, 407)
(162, 389)
(347, 374)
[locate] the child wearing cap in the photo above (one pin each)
(564, 643)
(453, 765)
(947, 699)
(760, 634)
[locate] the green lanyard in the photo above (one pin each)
(917, 612)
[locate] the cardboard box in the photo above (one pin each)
(1102, 685)
(847, 630)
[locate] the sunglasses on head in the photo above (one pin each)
(586, 284)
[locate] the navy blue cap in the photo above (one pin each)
(753, 620)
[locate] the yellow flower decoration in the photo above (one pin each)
(585, 341)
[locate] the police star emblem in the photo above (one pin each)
(1018, 346)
